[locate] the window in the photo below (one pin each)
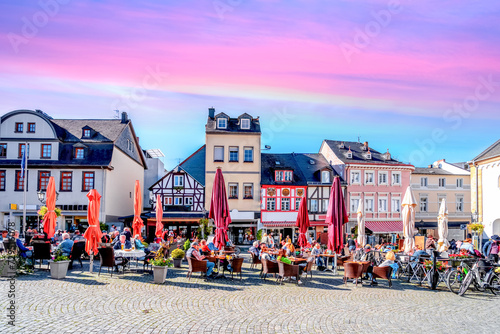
(442, 182)
(248, 154)
(283, 176)
(178, 180)
(325, 205)
(423, 204)
(354, 205)
(423, 182)
(271, 204)
(167, 200)
(285, 204)
(88, 181)
(31, 127)
(233, 153)
(314, 205)
(66, 181)
(297, 203)
(221, 123)
(3, 150)
(369, 205)
(382, 178)
(46, 151)
(19, 127)
(355, 177)
(43, 180)
(218, 153)
(460, 204)
(325, 176)
(396, 205)
(130, 145)
(248, 188)
(188, 201)
(396, 178)
(178, 201)
(79, 153)
(21, 149)
(460, 183)
(233, 190)
(2, 180)
(86, 133)
(245, 123)
(369, 178)
(19, 181)
(382, 205)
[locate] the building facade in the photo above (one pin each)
(434, 183)
(485, 185)
(80, 154)
(375, 178)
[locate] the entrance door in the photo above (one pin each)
(287, 233)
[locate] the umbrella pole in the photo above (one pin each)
(91, 262)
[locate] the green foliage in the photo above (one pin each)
(178, 253)
(58, 256)
(204, 229)
(259, 235)
(161, 262)
(103, 226)
(187, 245)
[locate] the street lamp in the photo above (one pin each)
(42, 196)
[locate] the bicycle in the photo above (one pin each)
(456, 275)
(483, 280)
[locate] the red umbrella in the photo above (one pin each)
(303, 222)
(336, 217)
(219, 210)
(49, 225)
(137, 224)
(159, 217)
(93, 234)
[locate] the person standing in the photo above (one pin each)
(493, 256)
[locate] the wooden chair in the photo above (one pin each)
(76, 253)
(196, 266)
(382, 273)
(342, 259)
(236, 267)
(352, 270)
(41, 251)
(107, 259)
(308, 269)
(288, 270)
(269, 267)
(255, 261)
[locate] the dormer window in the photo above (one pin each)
(79, 152)
(283, 176)
(349, 153)
(369, 155)
(325, 176)
(221, 123)
(245, 124)
(86, 133)
(342, 145)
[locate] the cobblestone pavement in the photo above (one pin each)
(131, 303)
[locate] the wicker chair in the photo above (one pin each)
(382, 273)
(352, 270)
(308, 269)
(196, 266)
(41, 251)
(236, 267)
(269, 267)
(76, 253)
(255, 261)
(288, 270)
(342, 259)
(108, 259)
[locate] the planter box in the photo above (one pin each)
(7, 267)
(177, 263)
(58, 269)
(160, 274)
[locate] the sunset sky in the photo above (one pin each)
(421, 78)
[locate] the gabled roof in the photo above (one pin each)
(312, 164)
(244, 115)
(194, 165)
(491, 152)
(107, 130)
(359, 154)
(286, 162)
(221, 114)
(431, 171)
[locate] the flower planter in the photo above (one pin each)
(177, 263)
(58, 269)
(8, 267)
(160, 274)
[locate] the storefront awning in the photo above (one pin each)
(279, 224)
(385, 226)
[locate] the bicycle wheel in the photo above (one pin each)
(494, 284)
(453, 280)
(465, 283)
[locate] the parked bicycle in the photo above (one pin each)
(484, 276)
(456, 275)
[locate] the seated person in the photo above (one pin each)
(212, 247)
(204, 246)
(315, 254)
(302, 266)
(467, 245)
(127, 233)
(154, 246)
(138, 243)
(194, 252)
(255, 249)
(264, 255)
(123, 241)
(66, 245)
(116, 237)
(283, 258)
(106, 239)
(77, 236)
(23, 251)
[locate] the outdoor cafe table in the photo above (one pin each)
(328, 257)
(297, 260)
(132, 254)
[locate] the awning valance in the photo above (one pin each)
(391, 226)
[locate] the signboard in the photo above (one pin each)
(420, 242)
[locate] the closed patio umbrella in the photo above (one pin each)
(361, 224)
(219, 210)
(159, 217)
(93, 234)
(443, 227)
(303, 222)
(408, 212)
(336, 217)
(49, 220)
(137, 224)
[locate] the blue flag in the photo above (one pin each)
(24, 161)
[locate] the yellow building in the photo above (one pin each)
(233, 144)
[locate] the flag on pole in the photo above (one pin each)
(23, 160)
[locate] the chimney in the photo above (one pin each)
(124, 117)
(211, 113)
(366, 146)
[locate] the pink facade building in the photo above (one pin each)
(374, 178)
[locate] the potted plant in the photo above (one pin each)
(59, 265)
(177, 256)
(160, 267)
(8, 264)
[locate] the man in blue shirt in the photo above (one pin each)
(23, 251)
(66, 245)
(123, 241)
